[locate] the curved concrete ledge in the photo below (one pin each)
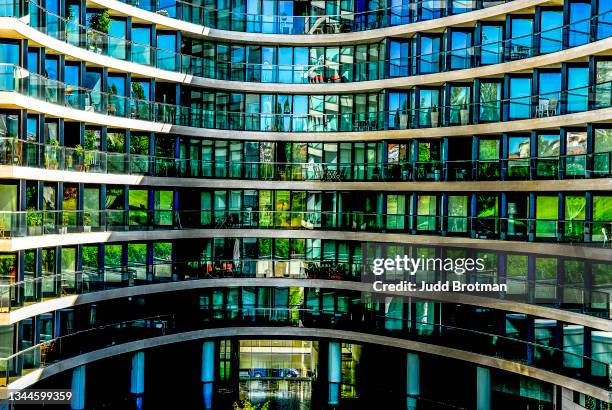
(580, 53)
(406, 30)
(312, 333)
(18, 101)
(18, 172)
(596, 252)
(445, 297)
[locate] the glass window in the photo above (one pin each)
(162, 258)
(551, 26)
(578, 83)
(116, 88)
(520, 98)
(549, 94)
(429, 60)
(91, 207)
(603, 79)
(602, 151)
(521, 43)
(604, 21)
(163, 205)
(519, 152)
(461, 50)
(491, 50)
(547, 214)
(141, 42)
(575, 162)
(575, 213)
(459, 110)
(9, 53)
(457, 213)
(579, 23)
(398, 58)
(166, 51)
(426, 212)
(490, 101)
(117, 44)
(429, 112)
(548, 146)
(396, 208)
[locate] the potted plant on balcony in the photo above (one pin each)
(79, 155)
(65, 222)
(34, 222)
(86, 222)
(435, 116)
(99, 23)
(88, 158)
(464, 113)
(69, 159)
(51, 161)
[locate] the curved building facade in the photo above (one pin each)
(283, 204)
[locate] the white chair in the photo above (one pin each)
(543, 106)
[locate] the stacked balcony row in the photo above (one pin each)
(548, 31)
(56, 144)
(545, 93)
(51, 208)
(39, 274)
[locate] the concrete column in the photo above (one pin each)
(334, 372)
(208, 373)
(483, 388)
(413, 370)
(137, 378)
(77, 402)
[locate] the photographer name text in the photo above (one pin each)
(440, 286)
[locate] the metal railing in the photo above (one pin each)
(15, 295)
(53, 222)
(56, 157)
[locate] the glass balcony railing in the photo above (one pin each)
(56, 157)
(321, 70)
(359, 318)
(17, 79)
(36, 223)
(549, 292)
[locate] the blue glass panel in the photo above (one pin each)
(116, 43)
(461, 51)
(166, 53)
(492, 47)
(520, 92)
(577, 83)
(521, 30)
(430, 55)
(551, 39)
(604, 21)
(549, 95)
(580, 27)
(9, 53)
(141, 39)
